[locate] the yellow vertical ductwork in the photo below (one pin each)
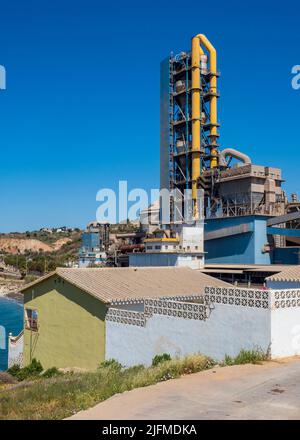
(213, 98)
(197, 51)
(196, 121)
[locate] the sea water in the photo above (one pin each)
(11, 321)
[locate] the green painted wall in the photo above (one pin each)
(71, 326)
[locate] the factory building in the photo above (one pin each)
(183, 248)
(248, 219)
(94, 241)
(149, 218)
(222, 208)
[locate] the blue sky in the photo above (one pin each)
(81, 108)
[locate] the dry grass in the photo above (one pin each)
(62, 396)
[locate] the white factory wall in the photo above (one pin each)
(227, 330)
(285, 323)
(229, 320)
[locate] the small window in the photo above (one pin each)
(31, 319)
(157, 247)
(149, 247)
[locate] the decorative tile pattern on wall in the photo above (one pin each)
(237, 297)
(261, 299)
(286, 298)
(176, 309)
(166, 298)
(126, 317)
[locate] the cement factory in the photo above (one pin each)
(242, 224)
(214, 267)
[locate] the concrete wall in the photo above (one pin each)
(230, 320)
(71, 326)
(227, 330)
(285, 323)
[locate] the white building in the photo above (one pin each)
(184, 250)
(149, 218)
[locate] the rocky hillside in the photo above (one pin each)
(12, 245)
(39, 252)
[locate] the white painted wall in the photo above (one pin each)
(285, 323)
(239, 319)
(285, 332)
(228, 330)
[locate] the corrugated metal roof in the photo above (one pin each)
(292, 273)
(111, 284)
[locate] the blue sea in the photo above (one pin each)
(11, 321)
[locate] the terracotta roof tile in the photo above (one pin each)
(112, 284)
(292, 273)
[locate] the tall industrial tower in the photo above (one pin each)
(189, 125)
(190, 157)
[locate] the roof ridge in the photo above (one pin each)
(291, 273)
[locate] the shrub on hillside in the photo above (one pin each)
(51, 372)
(159, 358)
(111, 363)
(246, 357)
(32, 370)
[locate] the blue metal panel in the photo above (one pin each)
(286, 255)
(260, 240)
(147, 259)
(244, 247)
(284, 231)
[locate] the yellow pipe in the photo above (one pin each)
(213, 99)
(196, 121)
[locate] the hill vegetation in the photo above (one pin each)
(37, 252)
(55, 394)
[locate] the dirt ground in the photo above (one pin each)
(268, 391)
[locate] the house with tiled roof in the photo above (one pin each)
(81, 317)
(65, 311)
